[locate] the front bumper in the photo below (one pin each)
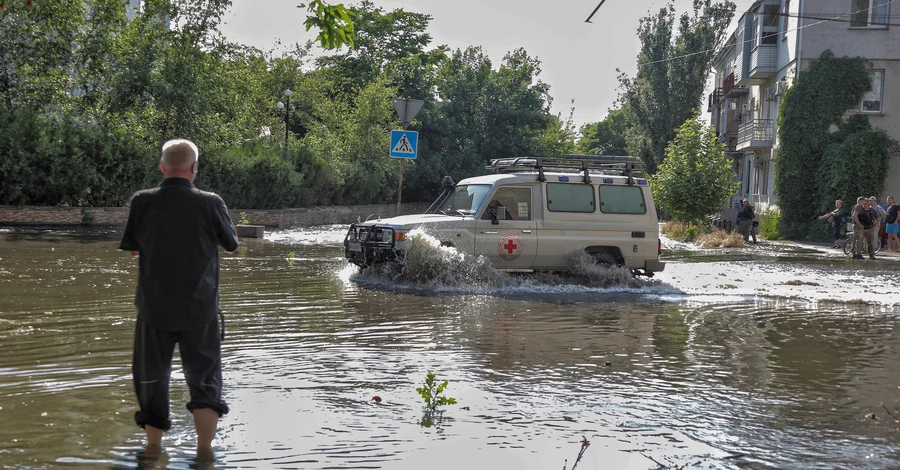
(366, 245)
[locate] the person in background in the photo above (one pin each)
(176, 231)
(837, 217)
(746, 216)
(880, 210)
(891, 225)
(864, 219)
(737, 220)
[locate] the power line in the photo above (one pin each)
(835, 20)
(588, 20)
(826, 20)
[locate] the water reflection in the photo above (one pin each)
(664, 373)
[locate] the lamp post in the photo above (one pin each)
(287, 114)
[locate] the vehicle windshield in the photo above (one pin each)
(465, 200)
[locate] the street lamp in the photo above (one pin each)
(287, 114)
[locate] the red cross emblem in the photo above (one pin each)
(510, 246)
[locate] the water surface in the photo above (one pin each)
(757, 358)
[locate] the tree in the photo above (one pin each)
(607, 137)
(695, 179)
(334, 22)
(671, 73)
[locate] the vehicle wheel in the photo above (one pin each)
(848, 246)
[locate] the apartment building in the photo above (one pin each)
(775, 39)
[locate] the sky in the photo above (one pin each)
(578, 59)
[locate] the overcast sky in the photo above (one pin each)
(579, 59)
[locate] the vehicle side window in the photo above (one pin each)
(622, 200)
(510, 203)
(566, 197)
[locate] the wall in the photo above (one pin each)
(287, 218)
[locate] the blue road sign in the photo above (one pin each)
(404, 144)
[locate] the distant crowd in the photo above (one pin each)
(873, 225)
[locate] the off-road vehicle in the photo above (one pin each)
(532, 214)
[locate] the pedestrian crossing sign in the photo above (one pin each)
(404, 144)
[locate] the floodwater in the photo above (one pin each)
(775, 356)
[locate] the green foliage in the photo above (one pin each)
(242, 219)
(334, 22)
(696, 178)
(768, 224)
(607, 137)
(251, 175)
(90, 102)
(432, 394)
(817, 163)
(49, 161)
(671, 73)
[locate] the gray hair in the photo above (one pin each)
(179, 154)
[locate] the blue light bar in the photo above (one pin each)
(608, 180)
(564, 179)
(641, 181)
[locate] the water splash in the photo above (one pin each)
(431, 265)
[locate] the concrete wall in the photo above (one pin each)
(287, 218)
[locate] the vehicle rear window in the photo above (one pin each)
(565, 197)
(622, 200)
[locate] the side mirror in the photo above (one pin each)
(492, 211)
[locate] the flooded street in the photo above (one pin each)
(767, 357)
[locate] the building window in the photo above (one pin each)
(786, 15)
(871, 101)
(869, 13)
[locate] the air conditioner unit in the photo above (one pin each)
(770, 93)
(780, 88)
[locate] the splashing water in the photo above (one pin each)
(432, 265)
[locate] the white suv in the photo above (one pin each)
(532, 214)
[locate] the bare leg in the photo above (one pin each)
(205, 420)
(154, 437)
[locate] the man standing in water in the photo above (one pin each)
(176, 229)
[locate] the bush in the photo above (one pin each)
(250, 176)
(721, 238)
(49, 161)
(684, 232)
(769, 221)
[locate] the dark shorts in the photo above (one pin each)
(151, 368)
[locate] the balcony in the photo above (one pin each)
(715, 99)
(764, 56)
(730, 140)
(756, 134)
(729, 89)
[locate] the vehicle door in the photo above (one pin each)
(506, 231)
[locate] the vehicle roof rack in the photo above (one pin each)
(585, 164)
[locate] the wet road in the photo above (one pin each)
(769, 357)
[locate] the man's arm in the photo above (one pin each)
(227, 232)
(129, 240)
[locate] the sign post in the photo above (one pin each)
(406, 144)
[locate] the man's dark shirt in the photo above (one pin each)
(178, 230)
(746, 212)
(892, 214)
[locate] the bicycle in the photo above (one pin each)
(851, 242)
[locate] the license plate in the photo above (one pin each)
(354, 246)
